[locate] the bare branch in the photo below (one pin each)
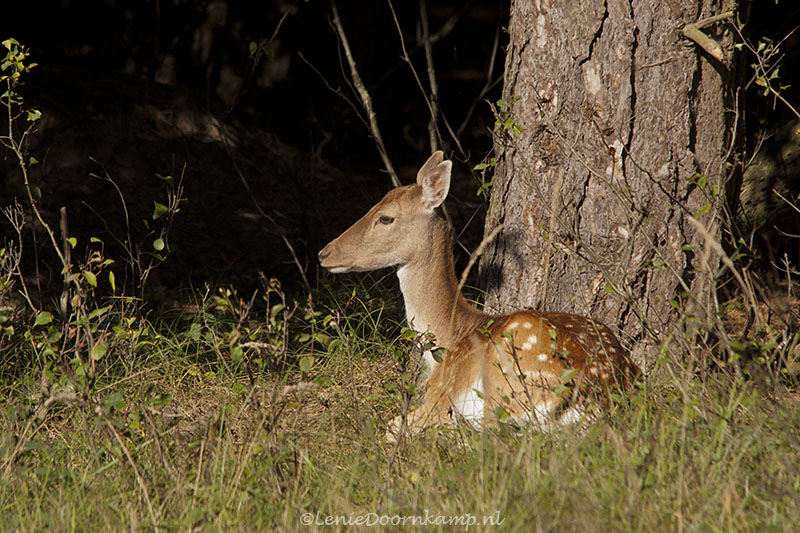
(433, 130)
(692, 31)
(365, 98)
(488, 86)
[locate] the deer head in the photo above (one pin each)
(394, 231)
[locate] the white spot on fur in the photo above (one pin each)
(533, 339)
(543, 356)
(470, 403)
(527, 325)
(513, 325)
(527, 346)
(540, 376)
(541, 414)
(573, 415)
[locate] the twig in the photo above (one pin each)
(333, 89)
(365, 98)
(433, 131)
(275, 224)
(68, 256)
(16, 216)
(692, 31)
(717, 247)
(789, 202)
(99, 411)
(430, 101)
(444, 31)
(487, 86)
(763, 71)
(472, 259)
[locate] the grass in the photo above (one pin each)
(175, 434)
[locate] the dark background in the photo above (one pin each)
(132, 90)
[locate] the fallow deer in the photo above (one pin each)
(551, 369)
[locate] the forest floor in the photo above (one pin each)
(205, 420)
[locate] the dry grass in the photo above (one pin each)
(206, 447)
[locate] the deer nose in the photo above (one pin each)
(323, 254)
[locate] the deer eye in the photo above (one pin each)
(386, 220)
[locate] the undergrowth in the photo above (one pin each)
(189, 439)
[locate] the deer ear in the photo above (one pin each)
(435, 184)
(429, 165)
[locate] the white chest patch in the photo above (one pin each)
(414, 321)
(469, 405)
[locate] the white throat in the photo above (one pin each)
(415, 321)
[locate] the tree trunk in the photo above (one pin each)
(627, 135)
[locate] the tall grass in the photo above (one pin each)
(188, 439)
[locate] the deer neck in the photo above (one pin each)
(433, 302)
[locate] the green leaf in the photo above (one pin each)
(277, 308)
(162, 399)
(567, 374)
(160, 210)
(236, 353)
(158, 244)
(100, 312)
(43, 318)
(438, 354)
(113, 401)
(72, 242)
(8, 43)
(98, 351)
(306, 363)
(34, 115)
(112, 280)
(34, 445)
(253, 48)
(195, 331)
(91, 279)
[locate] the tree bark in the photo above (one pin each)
(628, 129)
